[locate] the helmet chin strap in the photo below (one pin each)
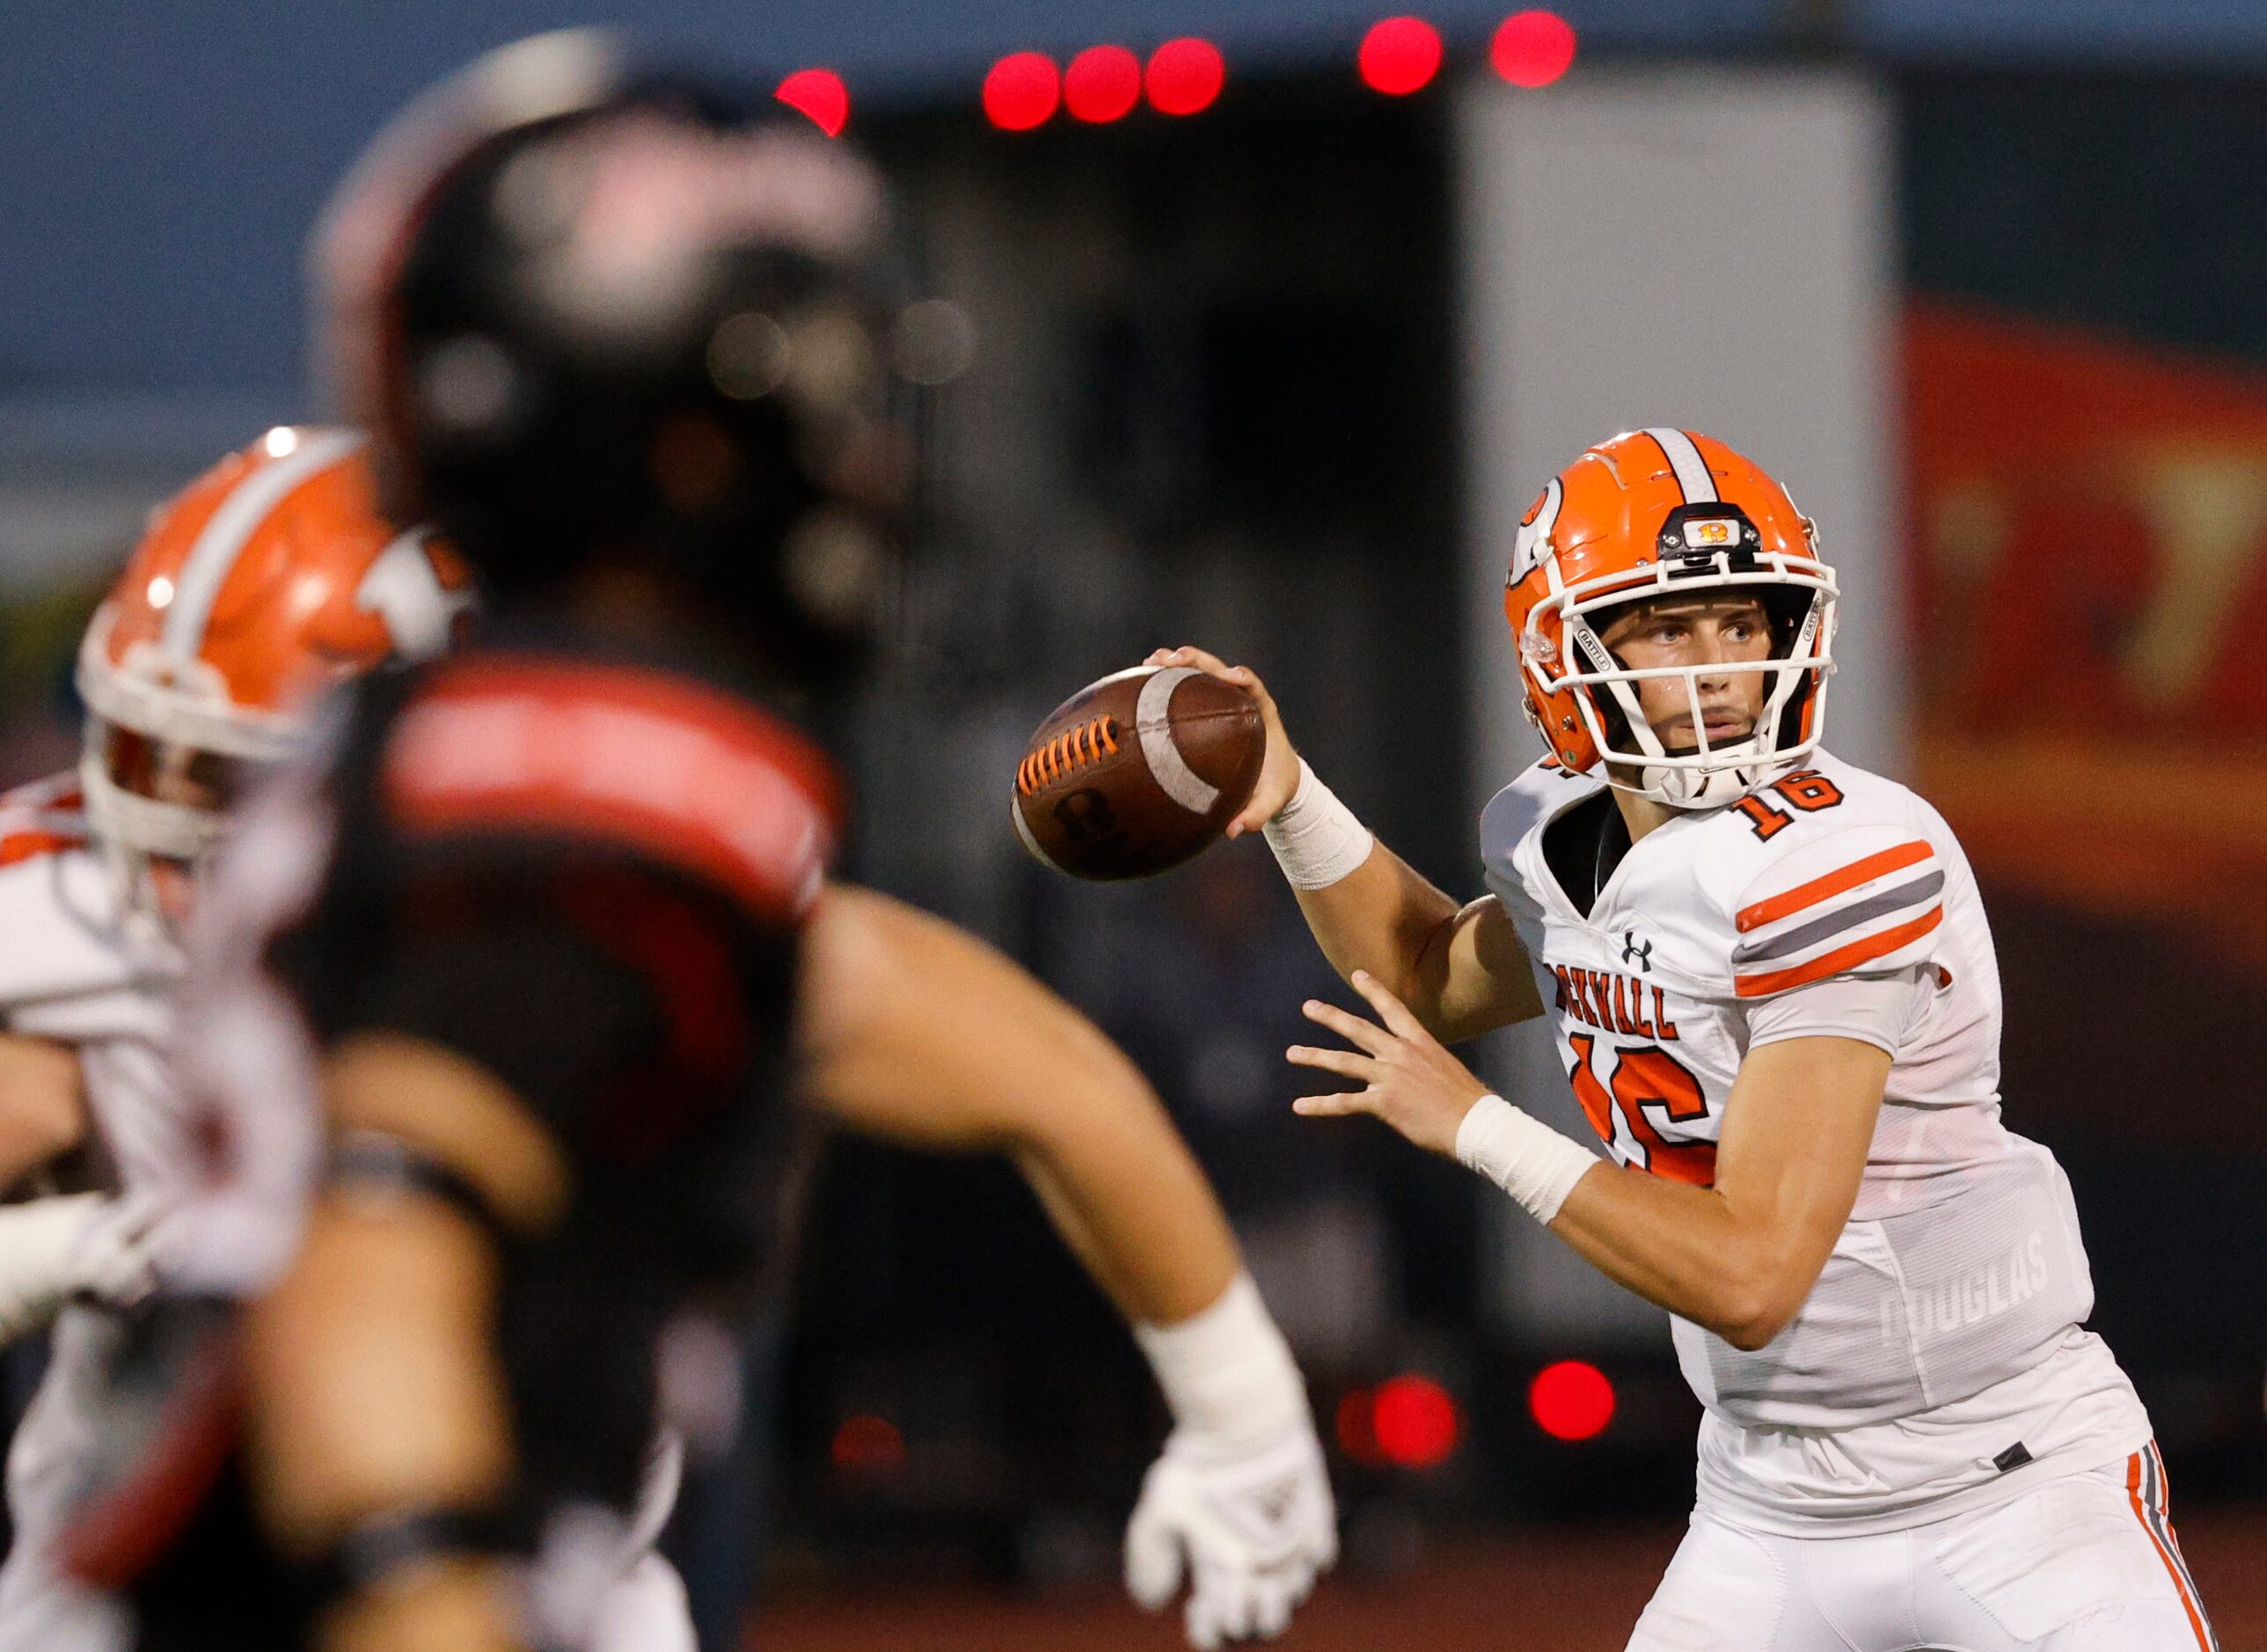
(1696, 789)
(1681, 788)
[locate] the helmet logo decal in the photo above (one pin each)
(1534, 541)
(1696, 537)
(403, 589)
(636, 200)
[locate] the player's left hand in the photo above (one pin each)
(1411, 1083)
(69, 1245)
(115, 1262)
(1253, 1520)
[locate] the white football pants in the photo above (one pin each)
(40, 1610)
(2081, 1563)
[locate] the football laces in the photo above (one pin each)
(1068, 752)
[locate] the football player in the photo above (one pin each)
(552, 929)
(1775, 996)
(268, 581)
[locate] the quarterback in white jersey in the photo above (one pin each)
(1775, 996)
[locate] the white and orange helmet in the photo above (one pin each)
(1653, 513)
(267, 581)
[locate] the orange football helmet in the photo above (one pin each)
(1652, 513)
(266, 581)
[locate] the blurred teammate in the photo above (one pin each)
(268, 581)
(1774, 991)
(552, 933)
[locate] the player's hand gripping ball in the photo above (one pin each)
(1139, 772)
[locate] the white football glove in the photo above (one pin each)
(1239, 1502)
(1255, 1523)
(52, 1250)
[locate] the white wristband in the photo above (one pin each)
(1226, 1370)
(1317, 840)
(1519, 1153)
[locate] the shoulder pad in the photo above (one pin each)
(655, 762)
(44, 817)
(1866, 899)
(1540, 792)
(63, 955)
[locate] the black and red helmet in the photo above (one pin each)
(588, 314)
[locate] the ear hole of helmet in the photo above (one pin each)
(1786, 606)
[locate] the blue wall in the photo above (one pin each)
(159, 162)
(2217, 33)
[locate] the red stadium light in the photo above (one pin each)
(1103, 83)
(868, 1445)
(1399, 55)
(1184, 76)
(1571, 1400)
(1533, 48)
(1021, 91)
(820, 94)
(1415, 1422)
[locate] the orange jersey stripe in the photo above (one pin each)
(2180, 1585)
(1819, 889)
(35, 841)
(1834, 963)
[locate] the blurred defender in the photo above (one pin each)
(1774, 990)
(268, 582)
(552, 930)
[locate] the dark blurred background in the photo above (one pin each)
(1273, 375)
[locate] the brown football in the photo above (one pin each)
(1135, 774)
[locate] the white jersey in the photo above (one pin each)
(74, 970)
(1938, 1350)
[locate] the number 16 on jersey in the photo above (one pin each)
(1645, 1092)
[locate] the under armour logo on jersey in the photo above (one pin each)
(1632, 953)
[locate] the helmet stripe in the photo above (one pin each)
(1153, 721)
(1683, 457)
(224, 537)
